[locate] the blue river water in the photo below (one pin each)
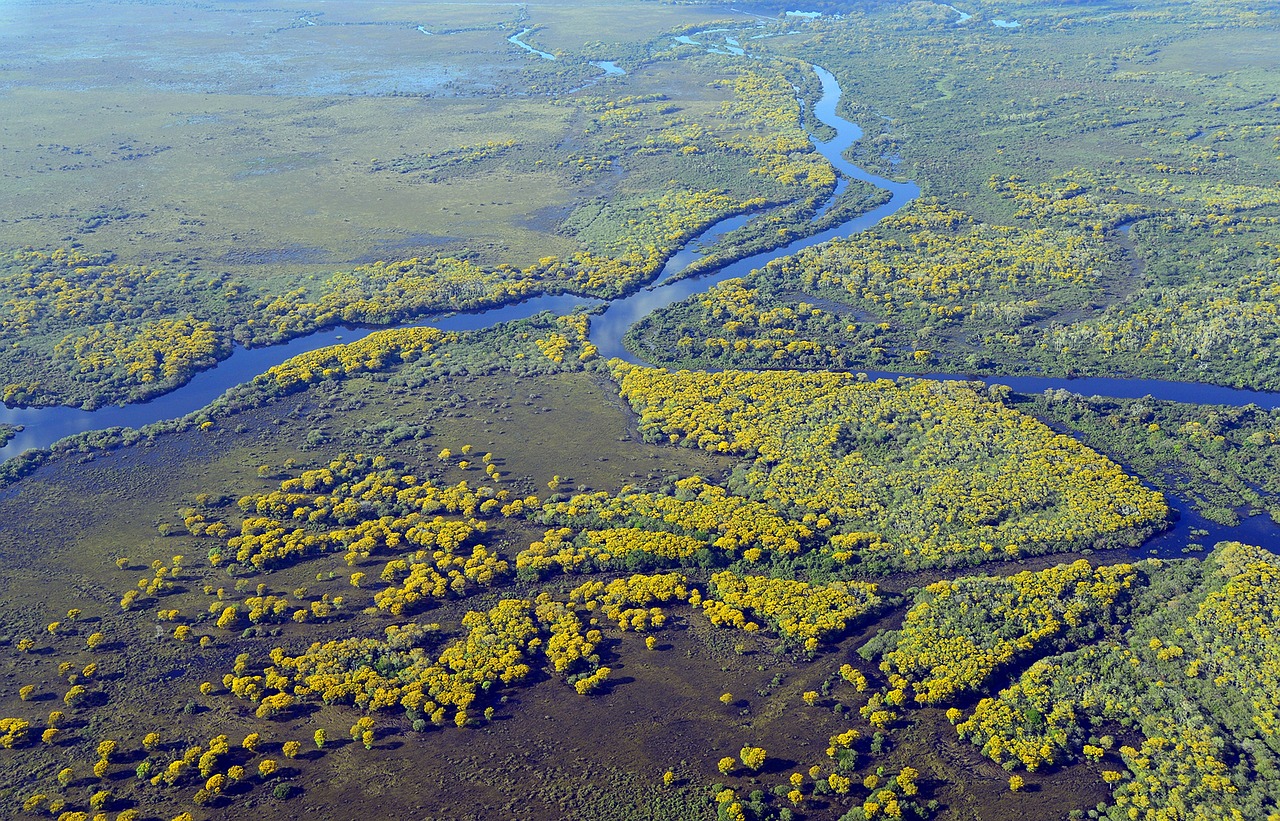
(608, 329)
(43, 426)
(608, 67)
(515, 40)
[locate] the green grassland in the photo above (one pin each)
(237, 179)
(103, 517)
(506, 579)
(1081, 122)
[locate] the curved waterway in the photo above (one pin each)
(608, 67)
(516, 41)
(608, 328)
(44, 426)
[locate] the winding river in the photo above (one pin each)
(43, 426)
(608, 329)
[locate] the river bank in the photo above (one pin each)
(41, 427)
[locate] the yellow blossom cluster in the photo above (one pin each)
(960, 632)
(1204, 322)
(933, 260)
(69, 284)
(591, 683)
(497, 647)
(1236, 631)
(630, 602)
(982, 477)
(436, 575)
(373, 353)
(14, 732)
(1077, 197)
(554, 346)
(400, 671)
(383, 292)
(569, 645)
(166, 349)
(604, 549)
(999, 724)
(1178, 774)
(357, 504)
(796, 609)
(764, 105)
(697, 507)
(557, 344)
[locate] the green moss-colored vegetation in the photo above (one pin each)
(486, 575)
(1220, 458)
(1099, 207)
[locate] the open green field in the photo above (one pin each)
(243, 141)
(224, 164)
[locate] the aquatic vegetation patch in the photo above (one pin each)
(935, 470)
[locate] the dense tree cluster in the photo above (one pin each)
(616, 548)
(696, 508)
(1224, 460)
(836, 451)
(359, 505)
(851, 302)
(499, 647)
(373, 353)
(797, 610)
(1192, 672)
(960, 632)
(1233, 633)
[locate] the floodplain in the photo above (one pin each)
(489, 573)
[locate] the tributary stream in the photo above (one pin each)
(44, 426)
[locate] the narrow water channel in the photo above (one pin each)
(44, 426)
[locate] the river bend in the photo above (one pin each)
(43, 426)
